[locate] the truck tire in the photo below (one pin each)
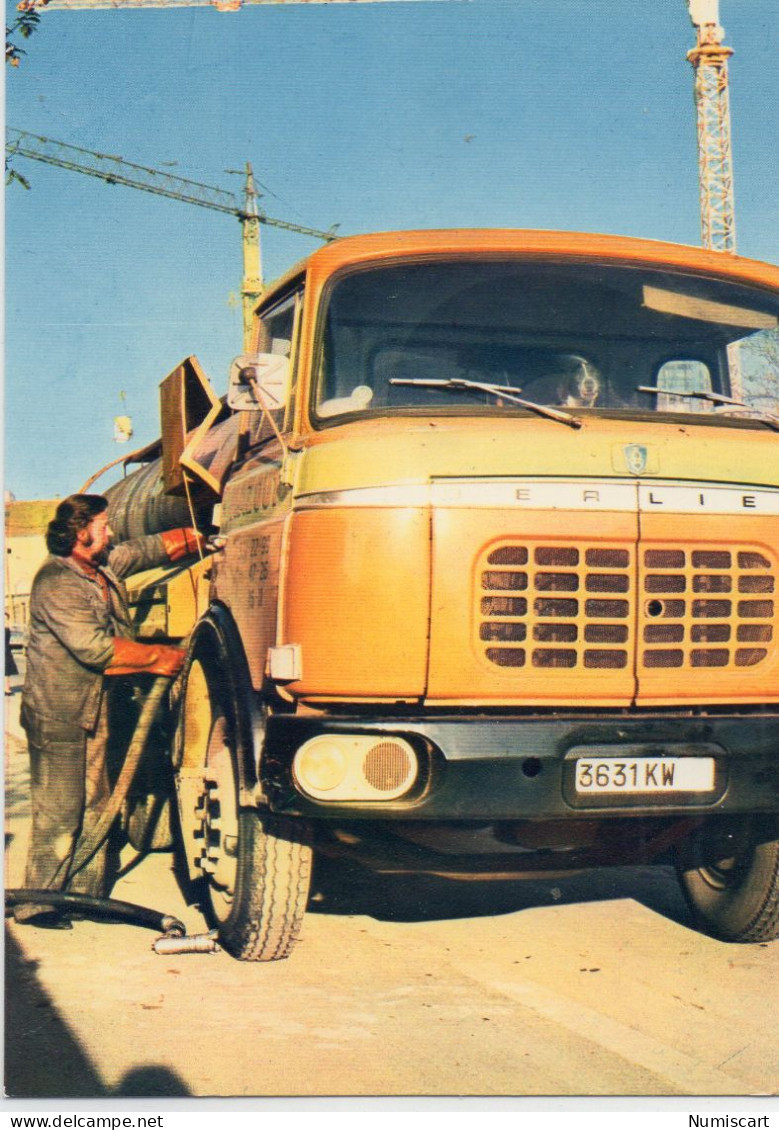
(732, 885)
(269, 900)
(255, 867)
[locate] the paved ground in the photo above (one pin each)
(594, 985)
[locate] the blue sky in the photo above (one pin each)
(570, 114)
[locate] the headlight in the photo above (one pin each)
(355, 767)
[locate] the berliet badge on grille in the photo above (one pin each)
(636, 458)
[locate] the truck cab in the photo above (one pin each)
(499, 518)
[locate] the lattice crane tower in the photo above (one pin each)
(115, 170)
(709, 59)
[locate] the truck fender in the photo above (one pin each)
(216, 642)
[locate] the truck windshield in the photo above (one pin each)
(585, 337)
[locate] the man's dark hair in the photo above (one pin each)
(73, 514)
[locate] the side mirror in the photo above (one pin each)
(257, 381)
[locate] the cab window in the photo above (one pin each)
(464, 335)
(679, 381)
(278, 333)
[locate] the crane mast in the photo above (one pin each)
(709, 59)
(115, 170)
(251, 287)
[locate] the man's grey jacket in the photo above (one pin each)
(72, 628)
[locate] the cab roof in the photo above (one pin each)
(382, 246)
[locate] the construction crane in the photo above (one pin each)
(709, 59)
(220, 5)
(115, 170)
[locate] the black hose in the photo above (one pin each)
(151, 705)
(97, 907)
(107, 907)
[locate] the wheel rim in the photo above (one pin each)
(220, 821)
(207, 762)
(725, 874)
(723, 866)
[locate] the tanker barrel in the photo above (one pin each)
(138, 505)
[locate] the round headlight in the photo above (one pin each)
(320, 767)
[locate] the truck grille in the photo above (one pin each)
(706, 607)
(556, 606)
(560, 606)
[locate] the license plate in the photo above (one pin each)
(645, 775)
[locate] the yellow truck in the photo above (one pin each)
(497, 588)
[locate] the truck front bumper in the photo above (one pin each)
(500, 767)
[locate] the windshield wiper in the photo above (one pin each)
(714, 397)
(504, 392)
(717, 398)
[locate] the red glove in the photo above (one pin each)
(131, 658)
(183, 543)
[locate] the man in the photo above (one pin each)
(80, 632)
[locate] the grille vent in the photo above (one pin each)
(573, 612)
(563, 607)
(717, 606)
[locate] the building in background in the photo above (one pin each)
(25, 549)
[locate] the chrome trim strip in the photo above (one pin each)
(622, 495)
(411, 494)
(703, 498)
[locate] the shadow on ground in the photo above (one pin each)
(346, 888)
(43, 1057)
(151, 1081)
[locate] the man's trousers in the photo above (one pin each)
(69, 789)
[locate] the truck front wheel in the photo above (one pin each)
(730, 878)
(255, 867)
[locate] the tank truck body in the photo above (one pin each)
(496, 589)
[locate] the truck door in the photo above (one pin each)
(256, 502)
